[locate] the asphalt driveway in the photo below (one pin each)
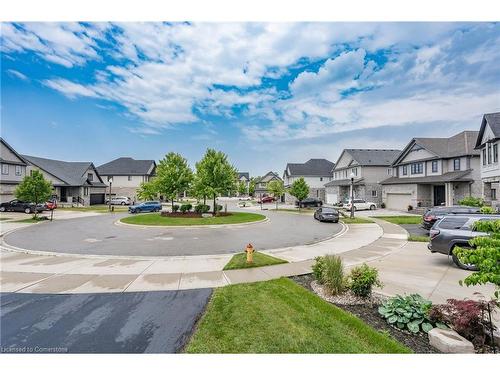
(142, 322)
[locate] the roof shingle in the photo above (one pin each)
(312, 167)
(126, 167)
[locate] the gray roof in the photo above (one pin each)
(268, 177)
(73, 173)
(372, 157)
(458, 176)
(126, 167)
(493, 120)
(244, 174)
(458, 145)
(345, 182)
(312, 167)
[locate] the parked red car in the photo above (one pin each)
(51, 205)
(267, 199)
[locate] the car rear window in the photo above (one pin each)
(452, 222)
(329, 210)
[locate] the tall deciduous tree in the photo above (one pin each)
(216, 175)
(35, 189)
(299, 190)
(251, 186)
(148, 190)
(277, 189)
(173, 176)
(242, 188)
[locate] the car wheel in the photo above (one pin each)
(372, 207)
(459, 264)
(2, 209)
(27, 210)
(123, 203)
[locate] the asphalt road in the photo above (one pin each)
(100, 236)
(143, 322)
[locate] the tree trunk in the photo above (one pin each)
(172, 205)
(276, 204)
(215, 211)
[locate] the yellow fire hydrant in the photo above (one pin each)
(249, 250)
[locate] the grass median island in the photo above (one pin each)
(239, 261)
(279, 316)
(402, 219)
(356, 220)
(157, 219)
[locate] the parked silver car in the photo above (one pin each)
(456, 230)
(123, 201)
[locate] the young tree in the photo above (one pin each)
(299, 190)
(242, 188)
(215, 174)
(35, 189)
(173, 176)
(251, 186)
(277, 189)
(148, 190)
(198, 190)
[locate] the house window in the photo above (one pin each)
(374, 193)
(354, 171)
(434, 166)
(484, 156)
(5, 168)
(405, 170)
(90, 176)
(389, 171)
(85, 191)
(456, 164)
(321, 178)
(494, 194)
(489, 153)
(130, 178)
(417, 168)
(495, 152)
(18, 170)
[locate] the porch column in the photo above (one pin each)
(449, 193)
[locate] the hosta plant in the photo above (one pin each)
(409, 312)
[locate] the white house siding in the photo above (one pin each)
(316, 187)
(121, 185)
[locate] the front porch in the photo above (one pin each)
(490, 190)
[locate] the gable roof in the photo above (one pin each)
(127, 167)
(493, 120)
(22, 160)
(460, 144)
(73, 173)
(244, 174)
(372, 157)
(268, 177)
(312, 167)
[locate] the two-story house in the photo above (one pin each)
(262, 182)
(74, 182)
(126, 175)
(487, 143)
(434, 171)
(316, 172)
(367, 168)
(245, 178)
(13, 168)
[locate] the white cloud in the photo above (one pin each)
(17, 74)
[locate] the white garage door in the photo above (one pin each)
(331, 198)
(398, 201)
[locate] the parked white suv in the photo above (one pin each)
(360, 204)
(124, 201)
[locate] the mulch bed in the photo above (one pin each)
(369, 314)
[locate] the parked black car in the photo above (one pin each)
(309, 202)
(456, 230)
(436, 213)
(19, 206)
(327, 214)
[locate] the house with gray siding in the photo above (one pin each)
(262, 182)
(316, 172)
(487, 143)
(74, 182)
(13, 168)
(434, 171)
(368, 167)
(245, 178)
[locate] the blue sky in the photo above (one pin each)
(264, 93)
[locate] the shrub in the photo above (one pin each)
(382, 205)
(410, 207)
(202, 208)
(332, 275)
(471, 201)
(175, 208)
(467, 317)
(362, 279)
(487, 210)
(407, 312)
(186, 207)
(218, 208)
(317, 268)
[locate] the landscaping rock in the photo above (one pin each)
(448, 341)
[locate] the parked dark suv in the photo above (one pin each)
(19, 206)
(309, 202)
(436, 213)
(456, 230)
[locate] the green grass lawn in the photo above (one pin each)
(29, 220)
(356, 220)
(415, 238)
(280, 316)
(4, 218)
(239, 261)
(403, 219)
(157, 219)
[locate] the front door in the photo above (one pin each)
(439, 195)
(64, 194)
